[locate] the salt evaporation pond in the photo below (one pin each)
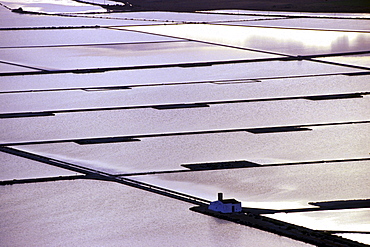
(215, 73)
(94, 213)
(58, 213)
(63, 37)
(159, 154)
(70, 57)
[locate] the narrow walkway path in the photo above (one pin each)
(43, 179)
(99, 175)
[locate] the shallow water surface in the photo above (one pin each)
(95, 213)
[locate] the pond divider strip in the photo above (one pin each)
(48, 28)
(26, 114)
(343, 232)
(46, 179)
(186, 105)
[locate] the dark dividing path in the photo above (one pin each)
(184, 105)
(48, 28)
(339, 232)
(44, 179)
(99, 175)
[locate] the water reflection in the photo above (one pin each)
(335, 220)
(278, 40)
(312, 23)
